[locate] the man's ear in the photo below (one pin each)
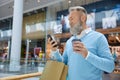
(83, 18)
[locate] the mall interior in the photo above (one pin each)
(25, 24)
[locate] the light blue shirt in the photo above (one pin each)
(99, 58)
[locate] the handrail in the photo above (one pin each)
(20, 77)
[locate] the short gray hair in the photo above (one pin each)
(78, 8)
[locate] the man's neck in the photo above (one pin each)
(83, 32)
(84, 28)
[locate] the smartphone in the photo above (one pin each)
(76, 40)
(49, 36)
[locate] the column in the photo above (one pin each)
(16, 36)
(51, 13)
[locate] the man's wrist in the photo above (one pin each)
(54, 51)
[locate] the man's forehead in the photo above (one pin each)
(74, 12)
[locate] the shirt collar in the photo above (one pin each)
(83, 33)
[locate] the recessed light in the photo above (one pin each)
(69, 1)
(38, 1)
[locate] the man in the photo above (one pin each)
(89, 57)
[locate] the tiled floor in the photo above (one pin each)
(5, 75)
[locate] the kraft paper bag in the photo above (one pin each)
(54, 70)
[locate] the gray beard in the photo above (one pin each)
(76, 29)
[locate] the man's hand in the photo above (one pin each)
(80, 48)
(52, 44)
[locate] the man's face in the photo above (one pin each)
(75, 22)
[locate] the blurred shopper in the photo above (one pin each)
(4, 55)
(89, 57)
(114, 55)
(61, 49)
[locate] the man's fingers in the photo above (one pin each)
(78, 45)
(52, 42)
(77, 49)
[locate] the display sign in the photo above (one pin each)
(109, 22)
(6, 33)
(57, 29)
(113, 13)
(54, 27)
(35, 27)
(37, 50)
(91, 20)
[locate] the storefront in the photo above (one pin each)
(52, 19)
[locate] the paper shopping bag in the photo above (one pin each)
(54, 70)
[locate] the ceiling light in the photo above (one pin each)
(38, 1)
(69, 1)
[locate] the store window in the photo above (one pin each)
(101, 15)
(41, 18)
(33, 39)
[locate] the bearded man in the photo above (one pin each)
(87, 52)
